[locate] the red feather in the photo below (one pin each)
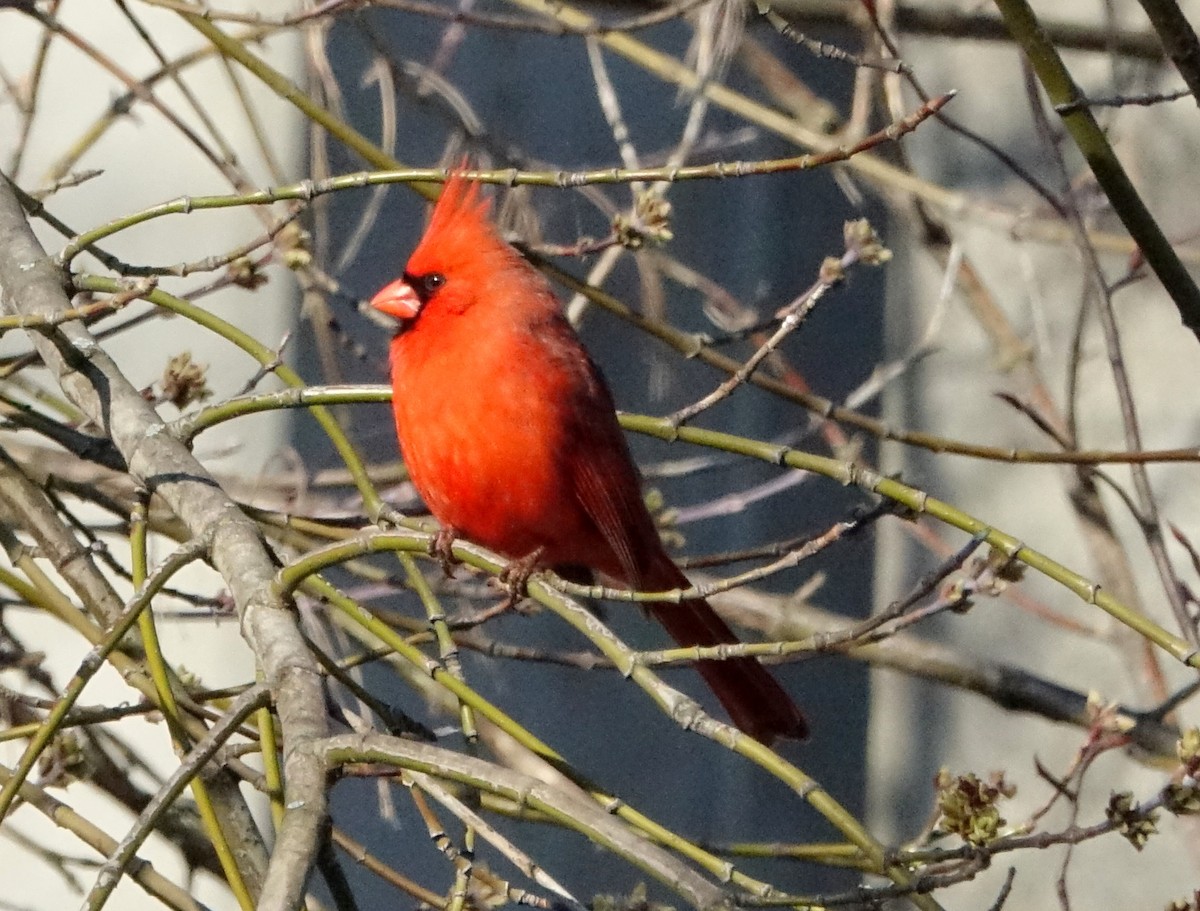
(510, 435)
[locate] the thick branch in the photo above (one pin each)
(31, 285)
(564, 804)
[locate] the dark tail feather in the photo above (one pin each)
(755, 701)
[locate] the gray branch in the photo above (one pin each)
(572, 807)
(31, 285)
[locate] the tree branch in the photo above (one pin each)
(30, 284)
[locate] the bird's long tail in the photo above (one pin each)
(755, 701)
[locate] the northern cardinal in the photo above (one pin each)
(511, 438)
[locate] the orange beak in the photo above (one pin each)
(397, 300)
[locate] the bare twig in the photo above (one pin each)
(862, 245)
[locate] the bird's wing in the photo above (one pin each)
(607, 506)
(603, 476)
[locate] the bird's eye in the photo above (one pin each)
(424, 285)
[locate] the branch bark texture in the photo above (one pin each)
(32, 285)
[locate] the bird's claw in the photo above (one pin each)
(442, 547)
(515, 577)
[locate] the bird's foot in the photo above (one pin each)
(442, 547)
(515, 577)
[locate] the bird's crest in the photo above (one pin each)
(460, 228)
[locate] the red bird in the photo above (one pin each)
(511, 437)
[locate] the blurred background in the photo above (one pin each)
(1012, 291)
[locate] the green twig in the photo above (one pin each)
(119, 860)
(698, 347)
(920, 502)
(625, 659)
(265, 356)
(161, 675)
(1092, 142)
(87, 669)
(381, 631)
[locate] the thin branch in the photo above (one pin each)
(1179, 40)
(861, 246)
(1092, 142)
(140, 871)
(119, 859)
(566, 805)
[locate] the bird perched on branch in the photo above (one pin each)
(511, 437)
